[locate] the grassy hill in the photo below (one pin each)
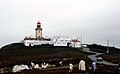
(17, 53)
(113, 55)
(103, 49)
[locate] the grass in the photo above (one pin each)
(17, 53)
(103, 49)
(113, 55)
(114, 58)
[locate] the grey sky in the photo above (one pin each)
(95, 20)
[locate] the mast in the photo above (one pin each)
(107, 46)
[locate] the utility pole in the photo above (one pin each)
(81, 40)
(113, 45)
(107, 46)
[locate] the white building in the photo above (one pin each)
(61, 41)
(55, 41)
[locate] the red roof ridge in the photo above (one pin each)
(38, 22)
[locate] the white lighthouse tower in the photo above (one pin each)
(38, 31)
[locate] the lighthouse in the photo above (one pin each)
(38, 31)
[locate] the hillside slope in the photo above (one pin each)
(17, 53)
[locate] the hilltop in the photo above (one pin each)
(17, 53)
(113, 55)
(103, 49)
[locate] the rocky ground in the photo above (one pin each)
(101, 69)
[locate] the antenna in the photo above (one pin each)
(113, 44)
(107, 46)
(81, 40)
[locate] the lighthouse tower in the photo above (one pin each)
(38, 31)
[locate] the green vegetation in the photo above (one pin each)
(18, 53)
(103, 49)
(113, 55)
(114, 58)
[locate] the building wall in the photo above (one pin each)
(58, 43)
(38, 34)
(38, 42)
(29, 42)
(77, 44)
(54, 42)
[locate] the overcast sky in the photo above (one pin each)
(96, 20)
